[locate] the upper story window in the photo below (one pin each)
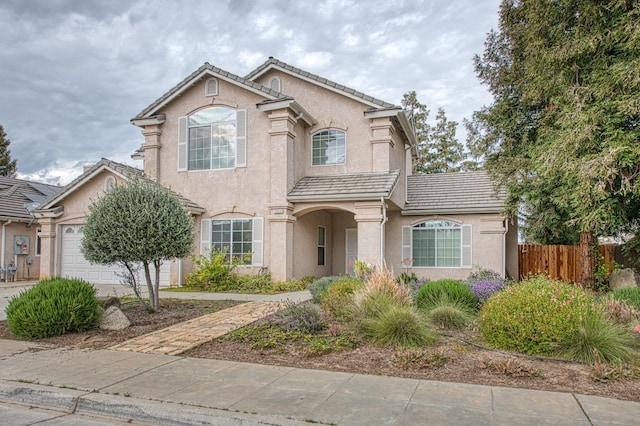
(437, 244)
(211, 87)
(213, 138)
(274, 84)
(328, 148)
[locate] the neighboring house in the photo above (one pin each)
(305, 175)
(20, 239)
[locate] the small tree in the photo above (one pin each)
(140, 223)
(7, 165)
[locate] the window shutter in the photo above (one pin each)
(256, 245)
(466, 246)
(182, 144)
(241, 138)
(407, 255)
(205, 236)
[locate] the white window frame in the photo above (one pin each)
(322, 245)
(257, 237)
(344, 154)
(465, 244)
(38, 249)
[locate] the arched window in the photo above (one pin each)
(438, 244)
(211, 87)
(274, 84)
(328, 148)
(212, 138)
(109, 183)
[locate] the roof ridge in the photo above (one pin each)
(321, 80)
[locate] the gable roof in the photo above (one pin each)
(206, 70)
(360, 186)
(273, 63)
(452, 193)
(18, 198)
(124, 171)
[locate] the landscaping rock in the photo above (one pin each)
(622, 279)
(114, 319)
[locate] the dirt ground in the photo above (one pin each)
(450, 359)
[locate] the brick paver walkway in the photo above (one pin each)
(181, 337)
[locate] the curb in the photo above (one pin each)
(73, 401)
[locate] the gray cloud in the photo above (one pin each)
(74, 72)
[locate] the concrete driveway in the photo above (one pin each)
(8, 290)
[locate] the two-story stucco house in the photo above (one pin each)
(303, 173)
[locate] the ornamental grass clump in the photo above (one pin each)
(339, 297)
(433, 294)
(534, 316)
(53, 307)
(630, 295)
(450, 314)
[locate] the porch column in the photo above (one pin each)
(369, 217)
(281, 223)
(282, 136)
(47, 248)
(151, 148)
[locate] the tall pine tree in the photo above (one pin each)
(7, 165)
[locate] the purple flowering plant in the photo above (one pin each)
(484, 283)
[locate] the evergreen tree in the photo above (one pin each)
(563, 129)
(7, 165)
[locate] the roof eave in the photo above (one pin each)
(155, 120)
(470, 210)
(288, 103)
(339, 197)
(48, 213)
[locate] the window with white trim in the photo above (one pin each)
(38, 241)
(322, 245)
(437, 244)
(213, 138)
(240, 237)
(328, 148)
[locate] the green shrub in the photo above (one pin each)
(339, 298)
(305, 317)
(382, 281)
(319, 287)
(260, 283)
(397, 325)
(294, 284)
(433, 293)
(534, 316)
(53, 307)
(450, 314)
(630, 295)
(214, 272)
(597, 340)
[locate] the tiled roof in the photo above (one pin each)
(347, 186)
(442, 193)
(122, 169)
(19, 197)
(158, 103)
(275, 63)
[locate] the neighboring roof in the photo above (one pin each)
(19, 197)
(273, 63)
(360, 186)
(451, 193)
(123, 170)
(206, 69)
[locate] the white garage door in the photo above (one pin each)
(74, 265)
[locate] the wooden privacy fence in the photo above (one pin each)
(559, 262)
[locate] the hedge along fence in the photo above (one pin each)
(558, 262)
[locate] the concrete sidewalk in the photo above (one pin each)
(171, 390)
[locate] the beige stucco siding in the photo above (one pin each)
(24, 270)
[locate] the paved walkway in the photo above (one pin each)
(179, 338)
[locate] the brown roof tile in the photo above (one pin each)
(346, 186)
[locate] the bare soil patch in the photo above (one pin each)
(450, 359)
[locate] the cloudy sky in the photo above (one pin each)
(74, 72)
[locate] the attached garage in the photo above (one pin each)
(74, 265)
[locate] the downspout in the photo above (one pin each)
(3, 249)
(384, 220)
(504, 248)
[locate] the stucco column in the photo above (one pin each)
(382, 142)
(369, 218)
(47, 248)
(151, 148)
(281, 241)
(282, 136)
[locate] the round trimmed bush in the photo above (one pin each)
(319, 287)
(535, 316)
(53, 307)
(432, 294)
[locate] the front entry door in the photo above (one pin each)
(351, 239)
